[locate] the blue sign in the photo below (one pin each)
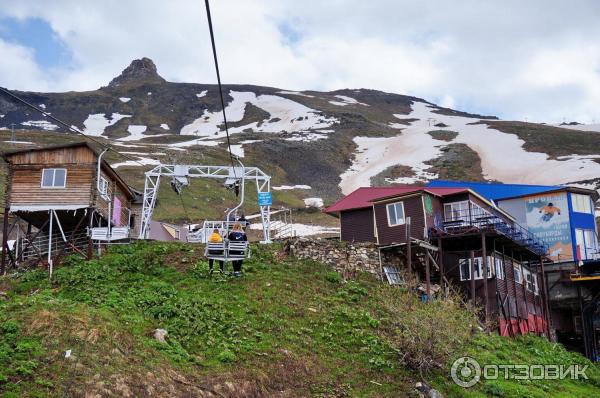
(265, 199)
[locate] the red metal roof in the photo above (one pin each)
(363, 197)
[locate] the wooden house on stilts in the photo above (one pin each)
(63, 199)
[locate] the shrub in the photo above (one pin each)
(425, 334)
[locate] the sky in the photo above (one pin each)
(535, 60)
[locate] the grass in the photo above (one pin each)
(287, 325)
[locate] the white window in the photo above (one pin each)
(395, 213)
(518, 273)
(534, 278)
(499, 265)
(456, 211)
(54, 178)
(587, 243)
(465, 268)
(581, 203)
(527, 279)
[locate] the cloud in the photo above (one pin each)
(537, 60)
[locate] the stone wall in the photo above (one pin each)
(346, 258)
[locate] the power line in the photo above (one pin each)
(68, 126)
(214, 50)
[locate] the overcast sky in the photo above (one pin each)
(535, 60)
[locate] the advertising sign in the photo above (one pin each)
(547, 218)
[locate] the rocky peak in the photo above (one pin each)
(140, 70)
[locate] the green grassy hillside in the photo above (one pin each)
(287, 328)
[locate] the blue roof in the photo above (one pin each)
(494, 191)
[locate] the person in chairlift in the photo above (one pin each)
(237, 235)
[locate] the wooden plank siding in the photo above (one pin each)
(26, 186)
(413, 208)
(357, 225)
(76, 155)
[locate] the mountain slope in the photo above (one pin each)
(90, 332)
(331, 141)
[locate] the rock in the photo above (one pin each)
(427, 391)
(160, 335)
(139, 71)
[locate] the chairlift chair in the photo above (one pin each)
(227, 250)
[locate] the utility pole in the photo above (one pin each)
(12, 133)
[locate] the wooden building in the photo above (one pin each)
(61, 199)
(453, 237)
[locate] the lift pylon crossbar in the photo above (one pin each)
(263, 184)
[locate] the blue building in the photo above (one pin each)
(564, 217)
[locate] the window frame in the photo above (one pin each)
(387, 211)
(477, 268)
(451, 216)
(518, 267)
(536, 288)
(527, 278)
(53, 170)
(499, 267)
(581, 203)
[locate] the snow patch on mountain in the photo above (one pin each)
(296, 93)
(346, 101)
(502, 155)
(136, 132)
(202, 93)
(164, 126)
(313, 202)
(42, 124)
(95, 124)
(141, 161)
(290, 187)
(124, 99)
(285, 116)
(43, 106)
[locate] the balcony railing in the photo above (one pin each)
(481, 219)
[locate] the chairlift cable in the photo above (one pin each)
(68, 126)
(214, 50)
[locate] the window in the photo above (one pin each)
(395, 212)
(581, 203)
(54, 178)
(499, 266)
(518, 274)
(536, 289)
(527, 279)
(465, 268)
(587, 244)
(456, 211)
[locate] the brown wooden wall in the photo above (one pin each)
(517, 300)
(413, 208)
(77, 155)
(25, 186)
(357, 225)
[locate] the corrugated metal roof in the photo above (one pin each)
(362, 197)
(493, 191)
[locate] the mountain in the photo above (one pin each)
(332, 142)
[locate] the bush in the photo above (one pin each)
(425, 334)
